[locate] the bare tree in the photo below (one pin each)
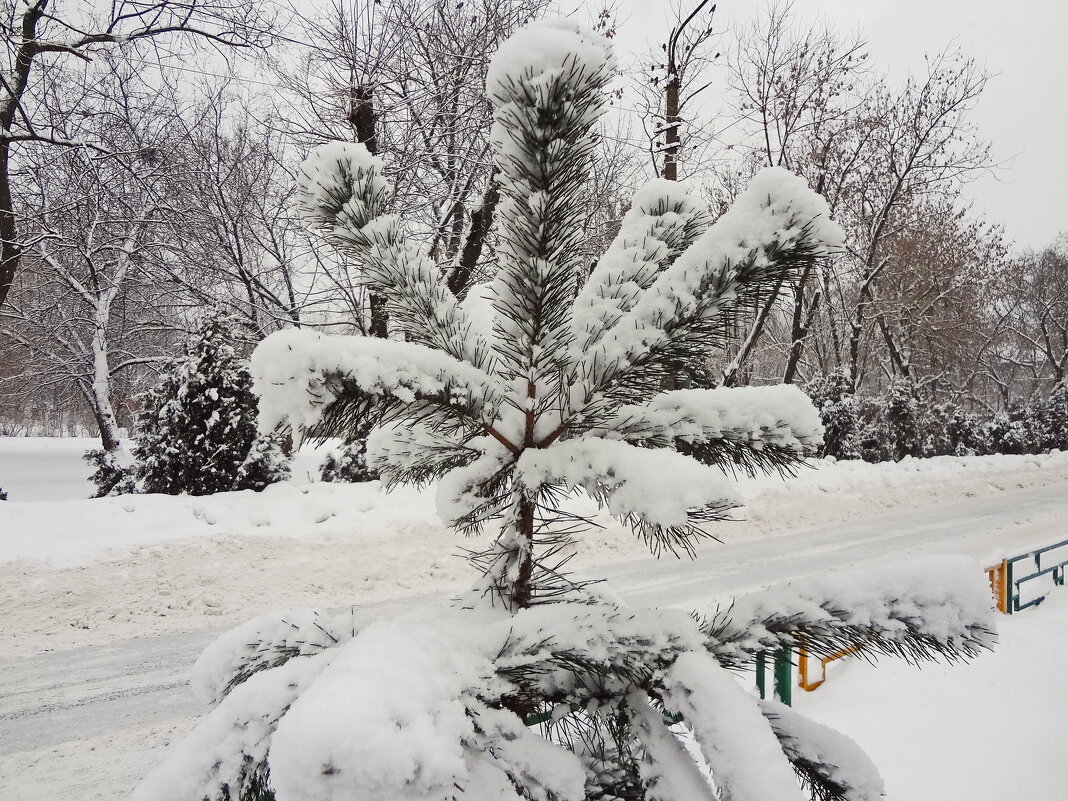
(235, 241)
(795, 91)
(41, 35)
(1039, 314)
(670, 84)
(84, 313)
(921, 144)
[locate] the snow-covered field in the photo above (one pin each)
(104, 604)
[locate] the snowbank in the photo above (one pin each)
(77, 532)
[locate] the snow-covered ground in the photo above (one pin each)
(84, 706)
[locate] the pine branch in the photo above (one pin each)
(915, 612)
(344, 195)
(663, 221)
(829, 765)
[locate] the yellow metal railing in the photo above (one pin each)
(804, 682)
(999, 584)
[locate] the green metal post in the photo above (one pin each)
(783, 685)
(1011, 598)
(760, 674)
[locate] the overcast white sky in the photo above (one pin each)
(1024, 111)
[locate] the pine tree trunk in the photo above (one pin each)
(523, 591)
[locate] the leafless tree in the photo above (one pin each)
(1038, 318)
(83, 312)
(795, 91)
(235, 240)
(40, 36)
(670, 83)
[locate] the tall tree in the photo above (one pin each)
(85, 311)
(40, 36)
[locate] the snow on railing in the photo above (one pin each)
(1014, 591)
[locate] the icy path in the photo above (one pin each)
(86, 722)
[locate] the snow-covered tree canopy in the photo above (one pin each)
(558, 693)
(563, 390)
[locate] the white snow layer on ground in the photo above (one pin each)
(89, 572)
(78, 572)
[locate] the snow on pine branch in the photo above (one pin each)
(664, 219)
(667, 769)
(776, 225)
(660, 493)
(264, 643)
(389, 718)
(745, 426)
(735, 739)
(228, 749)
(919, 610)
(829, 765)
(416, 452)
(545, 84)
(341, 190)
(298, 373)
(344, 194)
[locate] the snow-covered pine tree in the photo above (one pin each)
(1055, 418)
(350, 463)
(546, 691)
(198, 424)
(266, 463)
(110, 475)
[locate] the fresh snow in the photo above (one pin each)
(151, 580)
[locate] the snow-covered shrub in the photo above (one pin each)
(350, 463)
(933, 421)
(965, 433)
(266, 463)
(111, 475)
(1055, 419)
(198, 424)
(534, 687)
(873, 436)
(1016, 431)
(832, 394)
(902, 425)
(3, 494)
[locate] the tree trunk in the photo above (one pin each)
(100, 390)
(523, 591)
(730, 375)
(10, 252)
(481, 222)
(801, 324)
(363, 119)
